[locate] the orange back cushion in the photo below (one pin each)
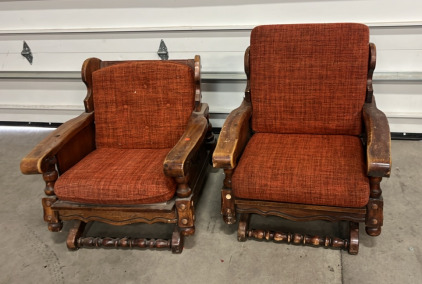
(143, 104)
(309, 78)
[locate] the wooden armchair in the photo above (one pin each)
(308, 142)
(138, 154)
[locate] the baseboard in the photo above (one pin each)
(405, 136)
(30, 124)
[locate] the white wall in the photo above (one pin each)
(61, 34)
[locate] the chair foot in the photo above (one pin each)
(354, 238)
(177, 241)
(243, 227)
(75, 234)
(373, 231)
(55, 227)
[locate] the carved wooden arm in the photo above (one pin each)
(378, 147)
(233, 137)
(37, 161)
(177, 161)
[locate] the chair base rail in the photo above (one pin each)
(351, 244)
(75, 241)
(108, 242)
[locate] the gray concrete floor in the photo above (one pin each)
(31, 254)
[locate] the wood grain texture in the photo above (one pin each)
(298, 239)
(300, 212)
(88, 67)
(371, 68)
(378, 144)
(233, 137)
(35, 161)
(186, 163)
(197, 79)
(80, 145)
(178, 160)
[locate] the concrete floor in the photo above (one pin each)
(31, 254)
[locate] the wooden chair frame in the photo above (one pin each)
(186, 163)
(376, 138)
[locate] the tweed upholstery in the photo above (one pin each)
(308, 79)
(143, 104)
(303, 168)
(117, 176)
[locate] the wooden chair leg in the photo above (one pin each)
(51, 216)
(354, 238)
(374, 219)
(228, 209)
(177, 241)
(74, 234)
(374, 215)
(243, 227)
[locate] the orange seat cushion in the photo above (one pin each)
(117, 176)
(303, 168)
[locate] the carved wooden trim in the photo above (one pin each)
(117, 222)
(375, 207)
(210, 138)
(295, 215)
(74, 234)
(50, 215)
(243, 227)
(130, 243)
(378, 141)
(354, 238)
(301, 212)
(375, 187)
(352, 244)
(177, 241)
(371, 67)
(117, 215)
(298, 239)
(89, 66)
(183, 188)
(50, 175)
(75, 240)
(374, 219)
(228, 209)
(247, 71)
(233, 137)
(185, 212)
(197, 78)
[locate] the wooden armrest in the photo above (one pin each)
(35, 161)
(378, 148)
(177, 161)
(233, 137)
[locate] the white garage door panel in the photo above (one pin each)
(399, 96)
(42, 93)
(62, 34)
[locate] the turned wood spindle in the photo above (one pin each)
(131, 243)
(375, 187)
(298, 239)
(50, 175)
